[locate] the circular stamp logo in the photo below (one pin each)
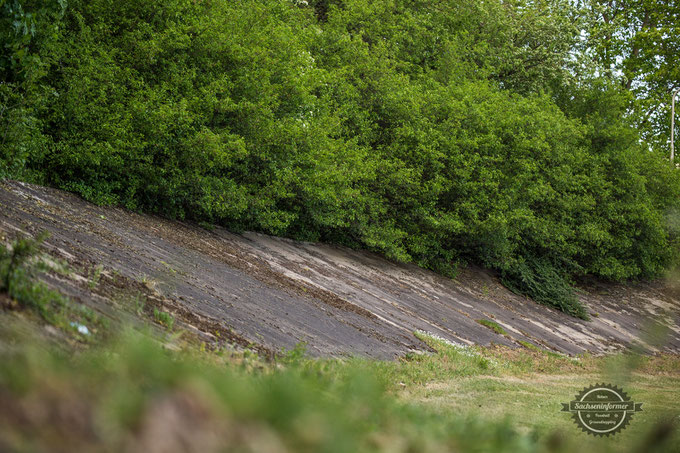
(602, 409)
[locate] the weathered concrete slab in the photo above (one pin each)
(277, 292)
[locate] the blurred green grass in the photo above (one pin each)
(132, 394)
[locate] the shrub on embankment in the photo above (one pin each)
(432, 132)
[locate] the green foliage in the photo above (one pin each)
(344, 409)
(19, 269)
(15, 261)
(528, 345)
(28, 30)
(95, 277)
(448, 400)
(635, 44)
(164, 318)
(544, 284)
(493, 326)
(394, 126)
(296, 354)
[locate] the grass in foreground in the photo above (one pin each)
(133, 395)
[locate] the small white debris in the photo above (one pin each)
(82, 329)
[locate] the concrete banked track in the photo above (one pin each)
(275, 292)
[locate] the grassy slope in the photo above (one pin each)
(527, 387)
(531, 402)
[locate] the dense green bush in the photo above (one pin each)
(28, 30)
(433, 132)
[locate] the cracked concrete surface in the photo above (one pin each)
(275, 292)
